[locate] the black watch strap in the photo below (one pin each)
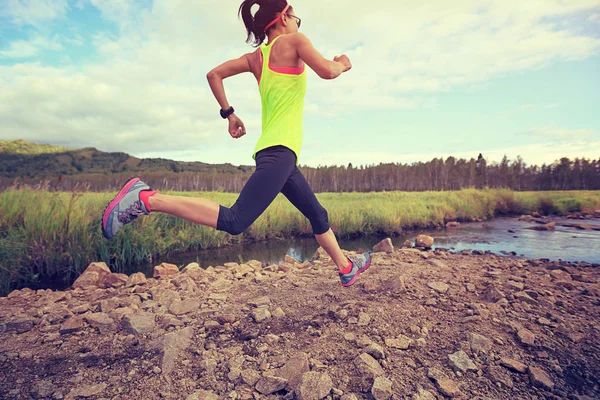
(227, 113)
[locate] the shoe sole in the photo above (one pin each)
(360, 271)
(116, 201)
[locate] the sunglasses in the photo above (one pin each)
(298, 20)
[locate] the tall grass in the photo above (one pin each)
(50, 235)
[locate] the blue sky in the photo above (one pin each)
(428, 80)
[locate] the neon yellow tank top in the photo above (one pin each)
(282, 94)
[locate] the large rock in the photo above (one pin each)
(368, 366)
(293, 370)
(385, 245)
(540, 379)
(461, 361)
(139, 324)
(101, 321)
(314, 386)
(424, 241)
(165, 270)
(492, 294)
(382, 388)
(93, 276)
(174, 344)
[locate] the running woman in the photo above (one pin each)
(279, 68)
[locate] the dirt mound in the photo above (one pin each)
(417, 324)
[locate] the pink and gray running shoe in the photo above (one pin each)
(124, 208)
(359, 265)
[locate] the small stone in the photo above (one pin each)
(250, 377)
(44, 388)
(513, 286)
(260, 302)
(202, 394)
(514, 365)
(526, 337)
(382, 388)
(499, 374)
(88, 390)
(165, 270)
(544, 321)
(363, 319)
(270, 384)
(115, 280)
(367, 365)
(218, 297)
(136, 279)
(314, 386)
(447, 386)
(423, 394)
(439, 286)
(21, 324)
(401, 343)
(139, 324)
(293, 370)
(524, 297)
(492, 294)
(72, 325)
(461, 361)
(181, 307)
(470, 288)
(92, 277)
(260, 314)
(101, 321)
(278, 313)
(540, 379)
(384, 246)
(424, 241)
(479, 343)
(375, 350)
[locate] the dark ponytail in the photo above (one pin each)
(255, 25)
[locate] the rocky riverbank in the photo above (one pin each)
(417, 325)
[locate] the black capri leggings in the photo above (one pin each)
(276, 171)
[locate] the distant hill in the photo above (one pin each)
(19, 158)
(30, 148)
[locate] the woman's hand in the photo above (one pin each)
(345, 61)
(236, 127)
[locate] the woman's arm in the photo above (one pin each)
(215, 80)
(326, 69)
(229, 68)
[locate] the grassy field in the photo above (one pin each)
(49, 235)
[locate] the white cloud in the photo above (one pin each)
(30, 48)
(555, 133)
(149, 94)
(595, 17)
(33, 12)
